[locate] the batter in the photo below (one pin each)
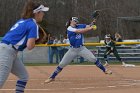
(75, 34)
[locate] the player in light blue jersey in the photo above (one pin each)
(22, 35)
(75, 34)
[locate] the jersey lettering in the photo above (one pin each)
(16, 25)
(78, 36)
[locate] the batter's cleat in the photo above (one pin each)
(109, 72)
(49, 80)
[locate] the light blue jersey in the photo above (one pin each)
(21, 32)
(76, 39)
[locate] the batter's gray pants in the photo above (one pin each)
(74, 52)
(9, 62)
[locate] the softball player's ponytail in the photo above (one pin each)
(30, 6)
(68, 23)
(72, 19)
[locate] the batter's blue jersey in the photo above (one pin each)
(21, 32)
(76, 39)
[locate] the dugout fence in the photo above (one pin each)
(129, 51)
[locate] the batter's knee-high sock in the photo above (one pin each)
(20, 86)
(55, 73)
(99, 65)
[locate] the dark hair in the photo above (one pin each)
(68, 22)
(29, 6)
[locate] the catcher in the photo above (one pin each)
(110, 48)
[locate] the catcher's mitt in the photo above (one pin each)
(42, 36)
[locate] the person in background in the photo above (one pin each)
(118, 38)
(110, 48)
(53, 51)
(66, 41)
(60, 49)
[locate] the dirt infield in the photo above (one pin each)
(80, 79)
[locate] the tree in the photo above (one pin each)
(61, 10)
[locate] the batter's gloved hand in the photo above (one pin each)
(95, 14)
(42, 36)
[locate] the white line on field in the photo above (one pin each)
(123, 83)
(111, 86)
(110, 65)
(84, 88)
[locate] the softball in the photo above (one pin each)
(94, 27)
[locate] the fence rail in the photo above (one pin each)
(127, 51)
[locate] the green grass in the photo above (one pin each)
(74, 63)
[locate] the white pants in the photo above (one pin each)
(74, 52)
(9, 62)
